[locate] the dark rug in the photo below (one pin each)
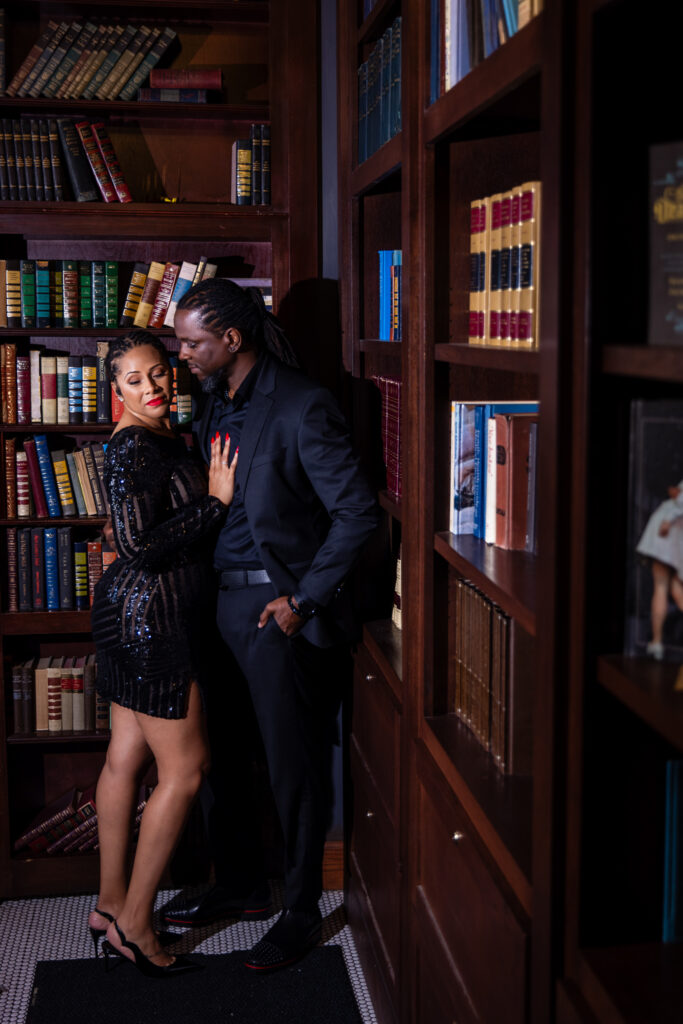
(317, 990)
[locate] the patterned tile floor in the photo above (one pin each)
(55, 929)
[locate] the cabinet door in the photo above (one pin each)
(376, 729)
(477, 921)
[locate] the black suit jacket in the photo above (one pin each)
(308, 503)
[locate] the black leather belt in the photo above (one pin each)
(231, 579)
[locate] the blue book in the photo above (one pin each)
(435, 52)
(395, 285)
(75, 372)
(385, 257)
(66, 569)
(43, 310)
(385, 89)
(47, 475)
(463, 63)
(51, 569)
(672, 917)
(482, 413)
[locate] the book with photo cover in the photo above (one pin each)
(665, 217)
(654, 556)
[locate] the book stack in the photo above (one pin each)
(492, 678)
(54, 484)
(49, 570)
(250, 168)
(69, 824)
(36, 151)
(181, 85)
(90, 59)
(465, 32)
(493, 472)
(390, 315)
(51, 387)
(379, 93)
(56, 693)
(390, 392)
(504, 293)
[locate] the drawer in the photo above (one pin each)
(374, 859)
(440, 997)
(480, 927)
(375, 727)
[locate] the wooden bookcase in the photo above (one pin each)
(268, 54)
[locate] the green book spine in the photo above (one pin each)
(98, 293)
(111, 288)
(56, 296)
(131, 87)
(109, 62)
(85, 317)
(43, 316)
(41, 84)
(28, 293)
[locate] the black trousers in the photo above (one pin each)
(295, 691)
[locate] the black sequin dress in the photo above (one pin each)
(151, 603)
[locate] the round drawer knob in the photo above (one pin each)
(369, 678)
(458, 837)
(369, 814)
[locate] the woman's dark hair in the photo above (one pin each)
(222, 304)
(133, 339)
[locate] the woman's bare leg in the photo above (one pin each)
(661, 576)
(117, 789)
(181, 752)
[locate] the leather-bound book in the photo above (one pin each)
(97, 164)
(83, 183)
(155, 275)
(111, 161)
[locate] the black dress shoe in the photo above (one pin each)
(217, 904)
(290, 938)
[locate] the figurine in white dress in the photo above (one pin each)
(662, 542)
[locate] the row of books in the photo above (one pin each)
(492, 682)
(57, 694)
(85, 293)
(379, 93)
(50, 571)
(90, 59)
(69, 823)
(390, 314)
(493, 472)
(250, 168)
(396, 605)
(465, 32)
(41, 483)
(390, 397)
(504, 293)
(34, 152)
(42, 386)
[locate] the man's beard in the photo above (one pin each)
(215, 383)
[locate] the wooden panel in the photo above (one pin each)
(477, 922)
(374, 857)
(376, 730)
(440, 994)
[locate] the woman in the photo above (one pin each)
(147, 625)
(662, 543)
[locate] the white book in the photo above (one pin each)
(182, 285)
(490, 531)
(36, 395)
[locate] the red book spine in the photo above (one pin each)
(95, 160)
(35, 479)
(23, 487)
(23, 389)
(109, 157)
(12, 566)
(186, 78)
(164, 295)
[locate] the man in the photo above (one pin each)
(301, 515)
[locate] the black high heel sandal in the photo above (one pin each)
(181, 964)
(164, 937)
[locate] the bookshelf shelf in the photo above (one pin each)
(59, 738)
(44, 876)
(488, 357)
(390, 505)
(385, 349)
(506, 577)
(57, 428)
(380, 165)
(55, 521)
(653, 690)
(38, 623)
(489, 86)
(655, 363)
(500, 806)
(246, 11)
(117, 110)
(180, 222)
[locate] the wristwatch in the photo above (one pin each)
(301, 607)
